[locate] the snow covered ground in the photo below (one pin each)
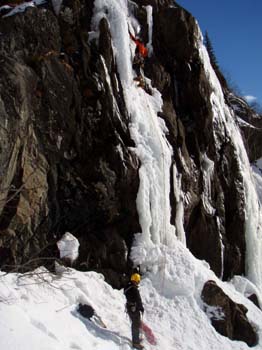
(13, 10)
(38, 310)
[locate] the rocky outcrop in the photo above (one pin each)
(66, 160)
(227, 317)
(250, 123)
(189, 90)
(66, 153)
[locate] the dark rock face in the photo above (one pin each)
(250, 124)
(189, 90)
(253, 297)
(227, 317)
(66, 157)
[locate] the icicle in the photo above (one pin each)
(207, 166)
(179, 195)
(149, 11)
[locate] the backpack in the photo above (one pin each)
(86, 310)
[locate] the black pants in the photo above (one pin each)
(135, 327)
(137, 69)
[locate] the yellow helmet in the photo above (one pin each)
(135, 278)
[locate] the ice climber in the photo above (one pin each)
(141, 53)
(134, 307)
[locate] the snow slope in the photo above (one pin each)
(38, 310)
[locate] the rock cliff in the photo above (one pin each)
(67, 159)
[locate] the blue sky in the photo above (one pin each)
(235, 30)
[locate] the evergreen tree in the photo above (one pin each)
(213, 61)
(211, 52)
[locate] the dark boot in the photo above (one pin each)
(138, 346)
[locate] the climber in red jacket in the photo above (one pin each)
(143, 51)
(140, 54)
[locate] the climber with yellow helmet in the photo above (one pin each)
(134, 307)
